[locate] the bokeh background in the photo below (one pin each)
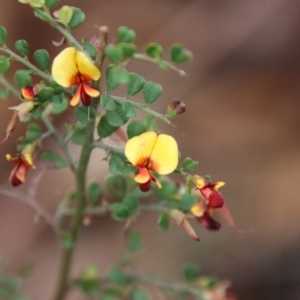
(242, 124)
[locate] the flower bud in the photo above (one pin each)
(176, 107)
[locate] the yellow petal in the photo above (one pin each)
(219, 184)
(199, 181)
(164, 157)
(138, 149)
(198, 209)
(87, 69)
(64, 68)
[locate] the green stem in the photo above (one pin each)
(108, 148)
(87, 147)
(169, 65)
(26, 62)
(60, 141)
(143, 108)
(64, 32)
(10, 87)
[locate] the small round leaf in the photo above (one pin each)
(42, 58)
(3, 35)
(78, 17)
(22, 47)
(125, 34)
(135, 83)
(4, 64)
(151, 91)
(135, 128)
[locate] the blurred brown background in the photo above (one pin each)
(242, 124)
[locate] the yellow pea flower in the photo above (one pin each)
(72, 67)
(151, 152)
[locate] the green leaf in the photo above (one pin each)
(134, 242)
(163, 221)
(51, 3)
(104, 128)
(4, 94)
(4, 64)
(131, 203)
(114, 53)
(167, 191)
(180, 54)
(65, 14)
(116, 275)
(57, 88)
(187, 201)
(135, 128)
(116, 163)
(94, 193)
(22, 78)
(22, 47)
(108, 102)
(45, 94)
(78, 135)
(3, 35)
(190, 164)
(135, 83)
(126, 35)
(154, 50)
(116, 185)
(85, 114)
(33, 131)
(59, 108)
(42, 59)
(128, 110)
(78, 17)
(90, 49)
(36, 112)
(150, 123)
(120, 211)
(115, 76)
(55, 158)
(128, 49)
(113, 118)
(36, 3)
(191, 272)
(139, 294)
(151, 91)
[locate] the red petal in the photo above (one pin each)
(145, 187)
(18, 174)
(85, 98)
(76, 98)
(215, 199)
(207, 221)
(28, 92)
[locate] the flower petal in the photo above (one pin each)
(227, 216)
(28, 92)
(198, 209)
(138, 149)
(18, 174)
(76, 98)
(207, 221)
(164, 157)
(215, 199)
(90, 91)
(64, 68)
(142, 176)
(87, 69)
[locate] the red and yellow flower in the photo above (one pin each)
(72, 67)
(151, 152)
(23, 162)
(29, 92)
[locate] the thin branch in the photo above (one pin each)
(27, 63)
(60, 141)
(10, 87)
(142, 107)
(108, 148)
